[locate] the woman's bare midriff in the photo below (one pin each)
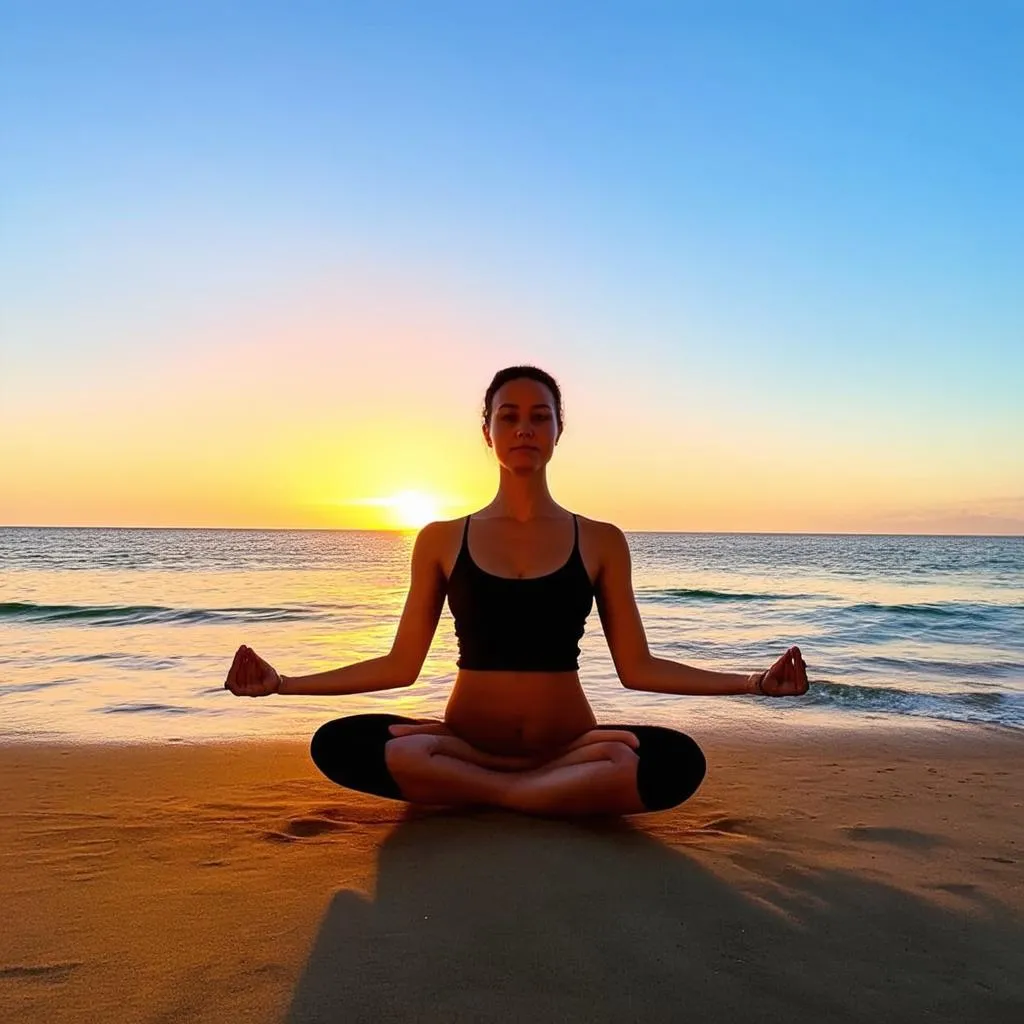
(518, 713)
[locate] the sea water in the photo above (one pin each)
(124, 634)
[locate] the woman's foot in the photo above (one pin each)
(593, 777)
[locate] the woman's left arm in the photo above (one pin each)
(638, 669)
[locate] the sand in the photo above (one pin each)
(818, 876)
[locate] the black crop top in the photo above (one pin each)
(527, 625)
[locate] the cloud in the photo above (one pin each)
(993, 516)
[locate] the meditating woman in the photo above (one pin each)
(521, 576)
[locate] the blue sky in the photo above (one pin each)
(805, 214)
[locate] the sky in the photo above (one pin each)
(258, 262)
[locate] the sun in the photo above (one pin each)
(412, 509)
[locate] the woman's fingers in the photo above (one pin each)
(412, 728)
(787, 680)
(797, 673)
(788, 676)
(262, 673)
(251, 674)
(236, 675)
(262, 676)
(270, 679)
(801, 667)
(774, 680)
(254, 671)
(793, 666)
(602, 736)
(232, 677)
(797, 662)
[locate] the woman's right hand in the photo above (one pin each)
(251, 676)
(786, 678)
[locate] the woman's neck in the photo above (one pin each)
(523, 498)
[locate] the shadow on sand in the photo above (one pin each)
(490, 917)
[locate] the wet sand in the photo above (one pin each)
(832, 876)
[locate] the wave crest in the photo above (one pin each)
(117, 615)
(994, 707)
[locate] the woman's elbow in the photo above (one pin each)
(629, 678)
(631, 675)
(404, 677)
(403, 671)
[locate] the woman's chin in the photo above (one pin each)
(525, 457)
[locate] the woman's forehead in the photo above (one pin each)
(524, 391)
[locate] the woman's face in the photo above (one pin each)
(522, 429)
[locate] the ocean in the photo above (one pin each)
(127, 634)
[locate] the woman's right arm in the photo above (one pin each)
(251, 676)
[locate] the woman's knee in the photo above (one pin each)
(670, 766)
(351, 752)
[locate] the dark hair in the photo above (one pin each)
(515, 373)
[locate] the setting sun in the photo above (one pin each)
(412, 509)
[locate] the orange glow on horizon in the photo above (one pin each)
(412, 510)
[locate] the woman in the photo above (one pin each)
(518, 731)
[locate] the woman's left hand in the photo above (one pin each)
(787, 677)
(251, 676)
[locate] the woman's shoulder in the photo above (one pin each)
(442, 534)
(440, 541)
(600, 530)
(440, 525)
(441, 531)
(602, 544)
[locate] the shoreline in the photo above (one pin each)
(854, 879)
(781, 732)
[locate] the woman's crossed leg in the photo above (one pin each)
(615, 769)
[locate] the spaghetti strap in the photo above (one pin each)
(482, 603)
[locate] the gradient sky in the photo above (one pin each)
(259, 262)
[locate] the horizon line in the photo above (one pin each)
(349, 529)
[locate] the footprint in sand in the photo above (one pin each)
(955, 888)
(907, 837)
(44, 972)
(303, 828)
(730, 826)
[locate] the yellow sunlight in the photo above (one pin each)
(412, 509)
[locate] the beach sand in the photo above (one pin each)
(816, 876)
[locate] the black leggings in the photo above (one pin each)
(350, 752)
